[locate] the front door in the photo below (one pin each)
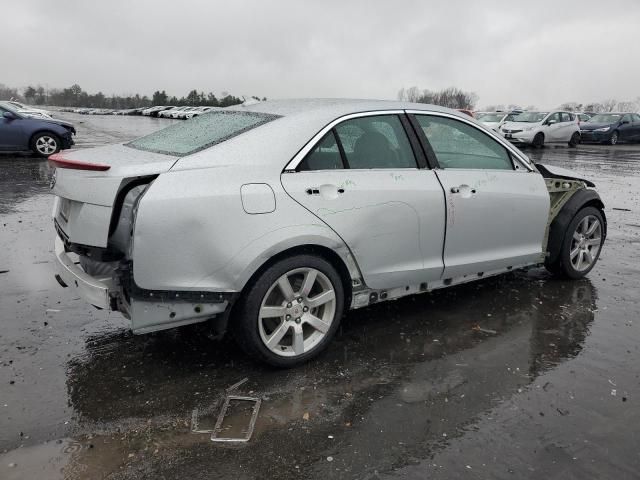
(625, 129)
(552, 128)
(497, 209)
(11, 133)
(363, 181)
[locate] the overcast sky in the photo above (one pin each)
(535, 52)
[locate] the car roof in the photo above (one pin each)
(331, 108)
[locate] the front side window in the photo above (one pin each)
(636, 117)
(626, 118)
(459, 145)
(555, 118)
(375, 142)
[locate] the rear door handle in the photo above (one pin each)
(316, 190)
(463, 188)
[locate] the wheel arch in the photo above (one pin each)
(321, 251)
(44, 130)
(581, 199)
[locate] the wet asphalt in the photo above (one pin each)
(520, 376)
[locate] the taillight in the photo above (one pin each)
(57, 161)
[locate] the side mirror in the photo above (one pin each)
(624, 122)
(550, 122)
(9, 116)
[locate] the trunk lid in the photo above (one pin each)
(86, 197)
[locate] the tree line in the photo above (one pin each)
(451, 97)
(75, 96)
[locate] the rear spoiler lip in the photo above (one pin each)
(58, 161)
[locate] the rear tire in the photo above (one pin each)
(538, 140)
(575, 140)
(581, 245)
(290, 313)
(44, 144)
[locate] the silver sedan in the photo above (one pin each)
(271, 220)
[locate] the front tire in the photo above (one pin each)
(538, 140)
(45, 144)
(615, 136)
(290, 313)
(581, 245)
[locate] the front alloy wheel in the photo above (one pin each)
(582, 244)
(290, 312)
(585, 243)
(45, 144)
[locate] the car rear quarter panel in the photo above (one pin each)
(192, 232)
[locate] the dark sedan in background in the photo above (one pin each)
(44, 137)
(611, 128)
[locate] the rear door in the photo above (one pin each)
(497, 209)
(569, 126)
(363, 179)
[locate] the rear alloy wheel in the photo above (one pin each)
(581, 245)
(538, 140)
(575, 140)
(45, 144)
(291, 312)
(614, 138)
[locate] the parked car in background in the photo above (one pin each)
(611, 128)
(29, 110)
(465, 111)
(583, 117)
(166, 113)
(267, 218)
(538, 128)
(200, 111)
(43, 136)
(494, 120)
(154, 111)
(181, 114)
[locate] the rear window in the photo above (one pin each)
(200, 132)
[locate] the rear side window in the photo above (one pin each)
(459, 145)
(375, 142)
(200, 132)
(325, 155)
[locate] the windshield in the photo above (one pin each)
(530, 117)
(200, 132)
(605, 118)
(490, 117)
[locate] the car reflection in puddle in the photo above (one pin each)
(400, 381)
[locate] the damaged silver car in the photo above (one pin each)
(272, 220)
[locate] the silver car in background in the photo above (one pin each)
(275, 218)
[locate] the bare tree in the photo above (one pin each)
(571, 106)
(609, 105)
